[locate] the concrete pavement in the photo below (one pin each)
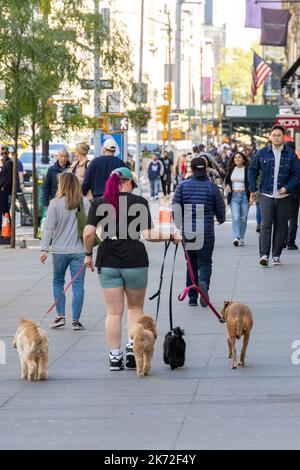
(204, 405)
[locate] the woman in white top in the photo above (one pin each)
(236, 181)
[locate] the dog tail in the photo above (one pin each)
(137, 332)
(239, 329)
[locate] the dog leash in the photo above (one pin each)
(171, 291)
(62, 294)
(183, 295)
(158, 293)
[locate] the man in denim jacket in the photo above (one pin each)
(279, 170)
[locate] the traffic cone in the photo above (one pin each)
(165, 213)
(6, 228)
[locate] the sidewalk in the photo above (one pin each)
(204, 405)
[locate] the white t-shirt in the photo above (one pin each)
(275, 194)
(238, 179)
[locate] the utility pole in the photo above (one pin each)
(178, 53)
(97, 109)
(169, 76)
(140, 85)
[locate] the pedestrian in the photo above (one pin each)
(166, 177)
(81, 162)
(26, 217)
(6, 177)
(100, 169)
(61, 165)
(122, 259)
(60, 237)
(238, 194)
(280, 173)
(294, 211)
(195, 192)
(155, 170)
(190, 157)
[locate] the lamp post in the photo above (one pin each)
(140, 84)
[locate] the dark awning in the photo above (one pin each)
(290, 72)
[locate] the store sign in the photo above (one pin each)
(235, 111)
(289, 122)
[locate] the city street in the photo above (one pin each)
(204, 405)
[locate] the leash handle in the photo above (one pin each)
(63, 293)
(171, 291)
(183, 295)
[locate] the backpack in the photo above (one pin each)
(81, 223)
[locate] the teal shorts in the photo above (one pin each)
(130, 278)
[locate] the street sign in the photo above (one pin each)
(289, 122)
(87, 84)
(113, 102)
(106, 84)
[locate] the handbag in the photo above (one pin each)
(81, 223)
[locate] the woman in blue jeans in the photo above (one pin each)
(236, 181)
(60, 236)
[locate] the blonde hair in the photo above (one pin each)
(69, 187)
(83, 148)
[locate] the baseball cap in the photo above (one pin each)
(198, 166)
(110, 144)
(126, 174)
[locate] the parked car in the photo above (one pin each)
(55, 147)
(26, 159)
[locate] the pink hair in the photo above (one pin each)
(112, 190)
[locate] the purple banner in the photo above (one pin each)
(253, 12)
(274, 27)
(206, 90)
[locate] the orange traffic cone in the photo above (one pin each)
(6, 229)
(164, 213)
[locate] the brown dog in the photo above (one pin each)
(32, 345)
(144, 335)
(239, 322)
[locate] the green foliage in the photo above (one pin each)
(235, 73)
(139, 117)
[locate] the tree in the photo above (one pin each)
(235, 73)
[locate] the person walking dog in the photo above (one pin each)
(60, 236)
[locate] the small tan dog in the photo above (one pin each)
(239, 322)
(32, 345)
(144, 335)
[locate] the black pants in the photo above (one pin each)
(274, 214)
(201, 261)
(293, 221)
(166, 186)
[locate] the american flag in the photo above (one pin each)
(260, 72)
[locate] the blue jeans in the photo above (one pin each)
(154, 187)
(201, 261)
(61, 262)
(239, 211)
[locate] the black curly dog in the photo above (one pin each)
(174, 348)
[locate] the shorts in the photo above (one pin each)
(130, 278)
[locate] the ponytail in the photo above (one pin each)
(112, 190)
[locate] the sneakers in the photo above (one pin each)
(116, 362)
(59, 321)
(264, 261)
(204, 289)
(292, 247)
(241, 242)
(276, 261)
(130, 359)
(258, 228)
(192, 303)
(236, 242)
(76, 325)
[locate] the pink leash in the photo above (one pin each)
(183, 295)
(69, 285)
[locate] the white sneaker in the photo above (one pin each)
(236, 242)
(59, 321)
(241, 242)
(276, 261)
(264, 261)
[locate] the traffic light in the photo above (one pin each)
(103, 124)
(168, 92)
(162, 114)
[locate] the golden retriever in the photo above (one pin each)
(144, 335)
(32, 345)
(239, 321)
